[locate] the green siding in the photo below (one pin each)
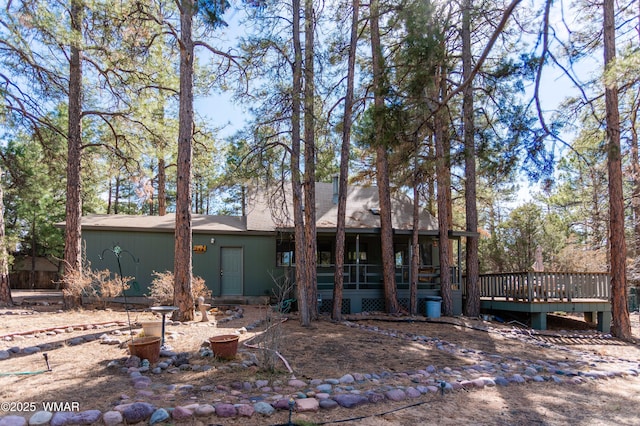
(154, 252)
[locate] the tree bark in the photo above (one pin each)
(162, 187)
(382, 165)
(182, 294)
(415, 237)
(472, 303)
(443, 184)
(296, 186)
(621, 325)
(310, 162)
(73, 229)
(347, 121)
(5, 287)
(635, 178)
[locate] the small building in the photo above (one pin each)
(240, 257)
(34, 273)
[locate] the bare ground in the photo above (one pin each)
(330, 350)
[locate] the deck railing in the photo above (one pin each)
(369, 276)
(544, 286)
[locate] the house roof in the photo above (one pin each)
(268, 213)
(200, 223)
(362, 210)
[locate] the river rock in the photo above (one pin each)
(346, 379)
(75, 341)
(13, 421)
(350, 400)
(61, 418)
(181, 413)
(264, 408)
(160, 415)
(30, 350)
(137, 412)
(325, 387)
(517, 378)
(132, 361)
(413, 392)
(375, 397)
(281, 404)
(225, 410)
(112, 418)
(294, 383)
(204, 410)
(261, 383)
(40, 418)
(245, 410)
(328, 404)
(307, 405)
(85, 417)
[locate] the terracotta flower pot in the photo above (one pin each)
(147, 347)
(225, 346)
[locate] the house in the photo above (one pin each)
(239, 257)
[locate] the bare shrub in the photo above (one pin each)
(270, 341)
(98, 284)
(161, 289)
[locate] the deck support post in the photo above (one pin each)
(604, 321)
(539, 320)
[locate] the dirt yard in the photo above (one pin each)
(366, 344)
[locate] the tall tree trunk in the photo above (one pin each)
(73, 226)
(415, 236)
(116, 197)
(110, 197)
(347, 120)
(310, 162)
(472, 303)
(635, 198)
(182, 294)
(162, 187)
(296, 186)
(635, 177)
(443, 184)
(382, 165)
(5, 288)
(431, 178)
(32, 271)
(621, 326)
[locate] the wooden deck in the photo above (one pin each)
(540, 293)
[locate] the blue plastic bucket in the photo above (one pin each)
(434, 307)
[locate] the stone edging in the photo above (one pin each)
(245, 399)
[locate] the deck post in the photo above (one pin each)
(539, 320)
(604, 321)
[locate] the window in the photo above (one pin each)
(351, 253)
(426, 254)
(285, 251)
(401, 255)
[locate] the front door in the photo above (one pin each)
(231, 271)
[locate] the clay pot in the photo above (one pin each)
(224, 346)
(147, 347)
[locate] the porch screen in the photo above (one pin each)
(285, 253)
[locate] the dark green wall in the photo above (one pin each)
(153, 251)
